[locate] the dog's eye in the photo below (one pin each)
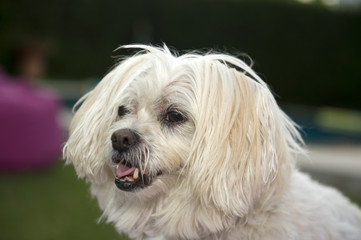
(122, 111)
(174, 117)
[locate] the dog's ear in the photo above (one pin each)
(83, 148)
(241, 147)
(89, 130)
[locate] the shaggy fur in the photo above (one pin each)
(222, 167)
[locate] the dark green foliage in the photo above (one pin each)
(308, 54)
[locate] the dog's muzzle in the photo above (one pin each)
(129, 159)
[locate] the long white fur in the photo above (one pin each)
(228, 171)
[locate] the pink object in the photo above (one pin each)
(123, 170)
(30, 136)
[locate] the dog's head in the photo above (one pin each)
(205, 125)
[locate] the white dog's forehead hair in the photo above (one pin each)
(160, 83)
(148, 89)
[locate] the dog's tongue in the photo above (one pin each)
(123, 171)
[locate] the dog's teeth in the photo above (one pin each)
(129, 179)
(136, 173)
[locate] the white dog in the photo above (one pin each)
(195, 147)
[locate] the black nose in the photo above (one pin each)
(123, 139)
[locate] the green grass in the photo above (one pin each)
(356, 199)
(50, 204)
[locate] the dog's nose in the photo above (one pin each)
(123, 139)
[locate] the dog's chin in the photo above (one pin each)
(129, 186)
(131, 178)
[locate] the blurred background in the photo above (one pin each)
(52, 52)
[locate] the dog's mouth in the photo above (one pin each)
(129, 178)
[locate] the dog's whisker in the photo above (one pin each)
(144, 163)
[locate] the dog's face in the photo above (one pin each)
(152, 130)
(179, 133)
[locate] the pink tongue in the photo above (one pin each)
(123, 171)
